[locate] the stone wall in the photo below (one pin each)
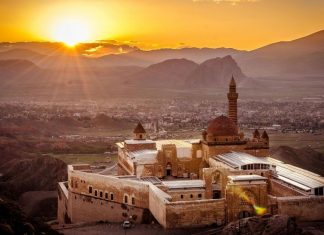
(239, 198)
(157, 204)
(94, 197)
(63, 216)
(195, 213)
(90, 209)
(137, 146)
(80, 183)
(214, 176)
(279, 189)
(187, 195)
(125, 162)
(303, 208)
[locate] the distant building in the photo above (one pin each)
(190, 183)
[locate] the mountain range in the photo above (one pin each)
(303, 56)
(183, 73)
(39, 66)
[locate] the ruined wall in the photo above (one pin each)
(195, 213)
(278, 189)
(214, 176)
(303, 208)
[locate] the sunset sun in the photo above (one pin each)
(71, 32)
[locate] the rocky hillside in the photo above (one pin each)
(22, 173)
(14, 221)
(306, 158)
(269, 225)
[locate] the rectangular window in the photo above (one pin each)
(112, 196)
(133, 200)
(100, 193)
(320, 191)
(90, 189)
(199, 195)
(125, 199)
(106, 195)
(181, 196)
(96, 193)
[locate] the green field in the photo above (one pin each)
(83, 158)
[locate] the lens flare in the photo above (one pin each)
(259, 210)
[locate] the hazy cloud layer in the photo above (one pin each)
(94, 49)
(233, 2)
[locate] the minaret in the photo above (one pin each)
(232, 101)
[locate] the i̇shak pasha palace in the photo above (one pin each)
(220, 178)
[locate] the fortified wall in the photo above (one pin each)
(301, 207)
(89, 197)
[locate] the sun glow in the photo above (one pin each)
(71, 31)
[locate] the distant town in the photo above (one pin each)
(170, 118)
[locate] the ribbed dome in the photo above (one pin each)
(222, 126)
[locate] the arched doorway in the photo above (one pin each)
(244, 214)
(168, 169)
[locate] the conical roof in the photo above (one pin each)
(265, 135)
(139, 129)
(256, 134)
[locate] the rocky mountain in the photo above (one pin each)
(216, 73)
(183, 73)
(303, 56)
(168, 73)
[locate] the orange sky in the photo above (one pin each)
(151, 24)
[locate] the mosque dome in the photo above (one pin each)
(222, 126)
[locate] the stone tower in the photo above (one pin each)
(232, 101)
